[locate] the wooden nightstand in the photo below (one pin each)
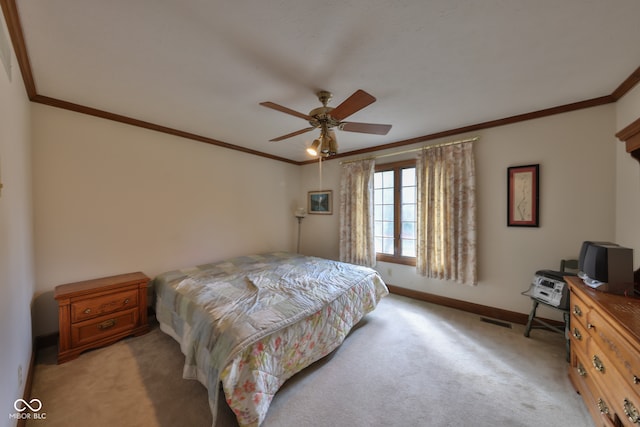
(99, 312)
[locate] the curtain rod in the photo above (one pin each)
(397, 153)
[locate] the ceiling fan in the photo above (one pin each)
(327, 118)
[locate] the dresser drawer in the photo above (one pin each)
(100, 305)
(626, 405)
(105, 326)
(584, 376)
(621, 354)
(579, 336)
(579, 311)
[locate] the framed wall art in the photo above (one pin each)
(523, 196)
(320, 202)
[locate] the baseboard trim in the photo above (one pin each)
(481, 310)
(26, 395)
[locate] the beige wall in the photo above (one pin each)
(111, 198)
(576, 152)
(16, 238)
(628, 179)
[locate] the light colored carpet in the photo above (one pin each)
(408, 363)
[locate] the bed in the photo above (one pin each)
(247, 324)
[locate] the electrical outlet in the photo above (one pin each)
(20, 375)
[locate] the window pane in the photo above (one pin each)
(387, 246)
(387, 229)
(387, 196)
(408, 212)
(378, 243)
(409, 248)
(377, 196)
(387, 179)
(377, 180)
(408, 230)
(409, 176)
(377, 228)
(377, 212)
(387, 213)
(408, 194)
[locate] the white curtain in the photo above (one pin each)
(356, 213)
(447, 213)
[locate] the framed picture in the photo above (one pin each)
(320, 202)
(523, 196)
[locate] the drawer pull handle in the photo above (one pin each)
(107, 324)
(87, 311)
(597, 363)
(577, 311)
(636, 380)
(631, 412)
(603, 407)
(581, 371)
(126, 301)
(576, 334)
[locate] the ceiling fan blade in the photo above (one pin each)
(376, 129)
(286, 110)
(289, 135)
(355, 102)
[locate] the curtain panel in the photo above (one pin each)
(356, 213)
(446, 247)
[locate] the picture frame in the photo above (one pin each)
(320, 202)
(523, 196)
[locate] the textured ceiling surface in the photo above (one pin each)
(203, 67)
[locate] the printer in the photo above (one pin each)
(549, 287)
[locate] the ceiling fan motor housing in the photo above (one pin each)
(323, 115)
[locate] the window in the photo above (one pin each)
(394, 217)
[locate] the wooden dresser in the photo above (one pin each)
(605, 354)
(98, 312)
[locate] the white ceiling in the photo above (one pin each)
(203, 66)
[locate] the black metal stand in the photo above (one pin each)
(547, 325)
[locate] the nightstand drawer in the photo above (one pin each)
(92, 330)
(94, 307)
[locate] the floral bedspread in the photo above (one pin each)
(252, 322)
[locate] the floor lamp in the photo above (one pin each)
(300, 213)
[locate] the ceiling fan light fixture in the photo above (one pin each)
(333, 146)
(314, 148)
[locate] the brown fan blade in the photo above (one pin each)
(365, 128)
(298, 132)
(285, 110)
(355, 102)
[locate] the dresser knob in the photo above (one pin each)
(577, 311)
(576, 334)
(581, 371)
(631, 412)
(107, 324)
(636, 380)
(87, 311)
(603, 407)
(597, 363)
(590, 326)
(126, 301)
